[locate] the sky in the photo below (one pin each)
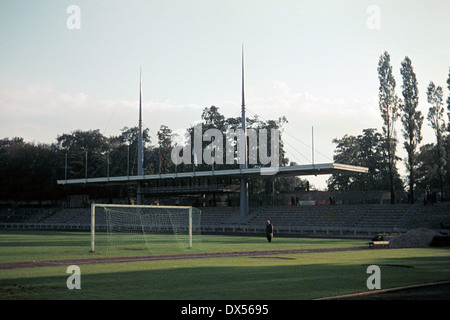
(75, 65)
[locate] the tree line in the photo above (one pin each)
(30, 171)
(426, 165)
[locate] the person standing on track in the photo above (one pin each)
(269, 231)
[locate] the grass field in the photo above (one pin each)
(257, 277)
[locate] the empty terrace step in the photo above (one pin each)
(353, 216)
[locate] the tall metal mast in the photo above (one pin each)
(244, 165)
(140, 138)
(140, 165)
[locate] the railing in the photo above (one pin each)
(224, 229)
(44, 226)
(297, 230)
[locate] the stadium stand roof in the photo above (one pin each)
(297, 170)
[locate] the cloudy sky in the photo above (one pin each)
(68, 65)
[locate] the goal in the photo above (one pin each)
(146, 227)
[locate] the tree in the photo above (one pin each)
(87, 150)
(28, 171)
(163, 149)
(437, 122)
(426, 174)
(124, 150)
(368, 150)
(388, 103)
(213, 118)
(412, 121)
(347, 151)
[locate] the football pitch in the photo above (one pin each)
(35, 265)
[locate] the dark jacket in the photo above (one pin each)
(269, 230)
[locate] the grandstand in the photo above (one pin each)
(242, 214)
(363, 220)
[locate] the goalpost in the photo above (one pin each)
(144, 227)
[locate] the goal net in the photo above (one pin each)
(157, 229)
